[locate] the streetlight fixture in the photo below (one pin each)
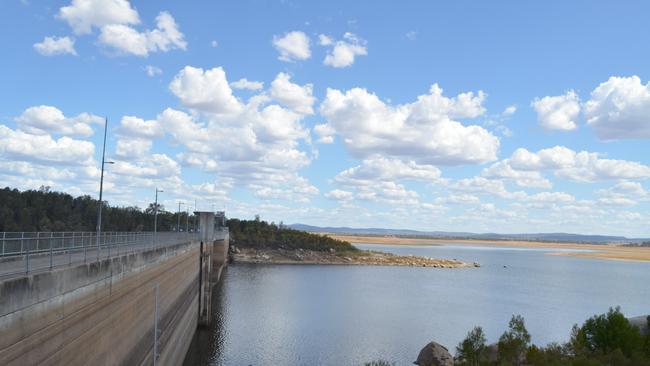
(101, 187)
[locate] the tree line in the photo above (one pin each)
(46, 210)
(263, 235)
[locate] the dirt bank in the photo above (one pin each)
(600, 251)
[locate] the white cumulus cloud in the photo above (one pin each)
(619, 109)
(298, 98)
(254, 143)
(340, 195)
(558, 112)
(45, 119)
(132, 148)
(580, 166)
(131, 126)
(383, 169)
(56, 46)
(127, 39)
(423, 131)
(344, 52)
(523, 178)
(247, 84)
(205, 90)
(43, 149)
(293, 46)
(84, 15)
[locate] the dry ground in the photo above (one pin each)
(606, 251)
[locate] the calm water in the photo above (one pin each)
(347, 315)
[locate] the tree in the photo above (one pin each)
(472, 350)
(607, 333)
(514, 342)
(152, 208)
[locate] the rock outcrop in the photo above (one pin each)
(434, 354)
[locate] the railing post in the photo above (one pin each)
(51, 244)
(4, 235)
(71, 249)
(83, 244)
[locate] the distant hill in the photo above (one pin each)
(551, 237)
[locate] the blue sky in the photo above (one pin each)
(484, 116)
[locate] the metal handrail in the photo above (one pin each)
(24, 252)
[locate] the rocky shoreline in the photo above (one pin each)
(371, 258)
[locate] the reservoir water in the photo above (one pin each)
(347, 315)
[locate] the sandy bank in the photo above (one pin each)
(604, 251)
(299, 256)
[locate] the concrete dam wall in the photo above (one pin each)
(139, 308)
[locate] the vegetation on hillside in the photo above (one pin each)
(45, 210)
(262, 235)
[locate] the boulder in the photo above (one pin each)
(434, 354)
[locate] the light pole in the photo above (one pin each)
(101, 187)
(178, 224)
(155, 212)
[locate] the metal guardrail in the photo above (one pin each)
(25, 252)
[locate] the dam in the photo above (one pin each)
(121, 299)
